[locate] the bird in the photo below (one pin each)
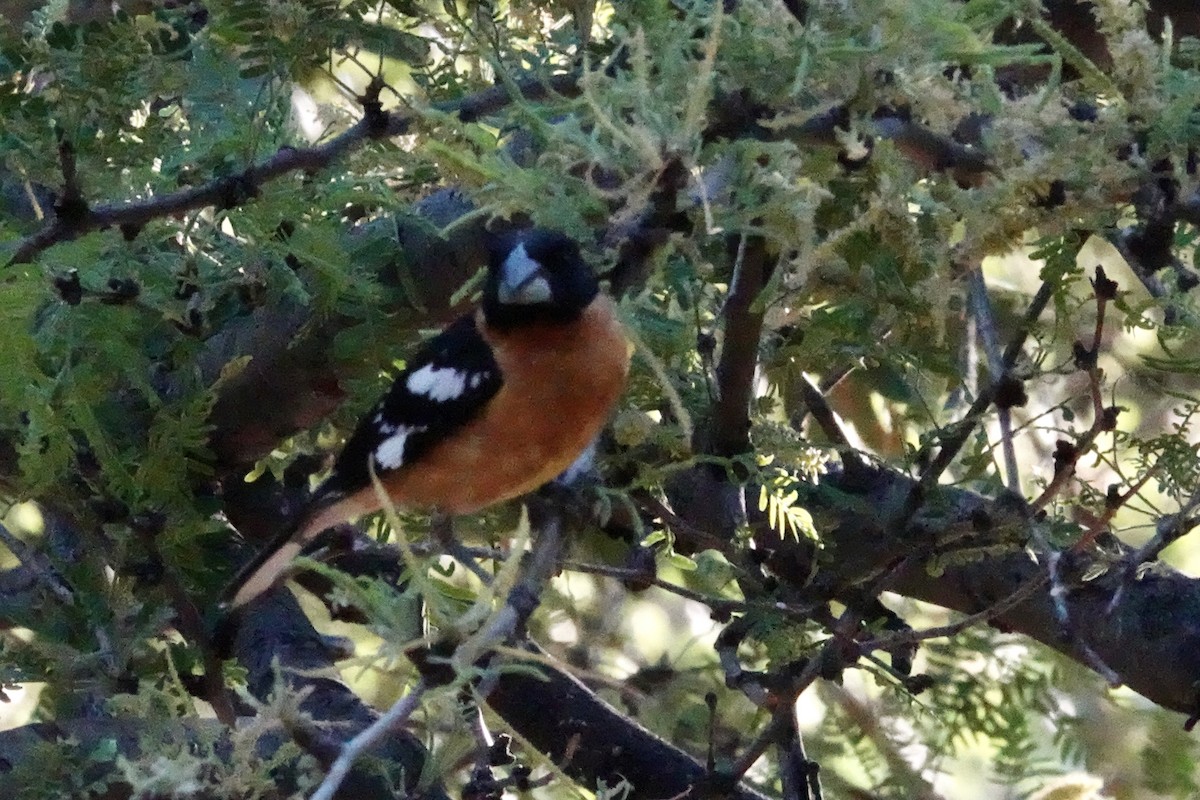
(500, 402)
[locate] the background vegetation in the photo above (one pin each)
(894, 506)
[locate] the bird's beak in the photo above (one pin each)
(523, 280)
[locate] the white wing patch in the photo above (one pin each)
(390, 452)
(438, 383)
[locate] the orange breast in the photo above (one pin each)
(560, 385)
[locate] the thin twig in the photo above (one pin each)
(846, 624)
(442, 530)
(522, 599)
(682, 417)
(815, 404)
(721, 603)
(239, 187)
(962, 430)
(1104, 419)
(981, 310)
(1168, 530)
(680, 526)
(1066, 456)
(1018, 596)
(38, 565)
(188, 619)
(396, 716)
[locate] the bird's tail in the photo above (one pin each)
(271, 563)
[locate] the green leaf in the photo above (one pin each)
(389, 42)
(680, 561)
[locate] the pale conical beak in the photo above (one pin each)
(522, 280)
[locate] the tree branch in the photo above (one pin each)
(276, 634)
(1151, 639)
(593, 741)
(233, 190)
(729, 431)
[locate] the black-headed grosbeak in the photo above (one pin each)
(497, 404)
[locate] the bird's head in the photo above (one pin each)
(536, 276)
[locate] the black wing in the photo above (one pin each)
(444, 385)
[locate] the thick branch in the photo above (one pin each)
(592, 741)
(277, 633)
(730, 427)
(1151, 639)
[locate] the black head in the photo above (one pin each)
(536, 276)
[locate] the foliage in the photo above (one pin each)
(881, 155)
